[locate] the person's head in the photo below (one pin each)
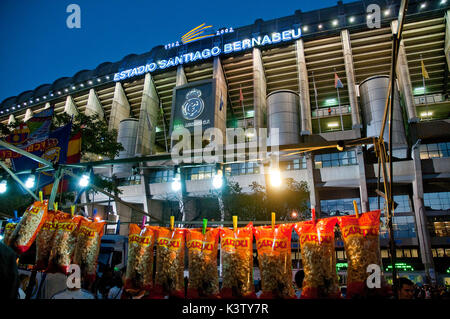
(299, 278)
(405, 288)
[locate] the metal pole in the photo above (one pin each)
(317, 103)
(340, 112)
(18, 180)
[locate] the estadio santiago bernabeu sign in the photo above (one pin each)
(193, 103)
(206, 53)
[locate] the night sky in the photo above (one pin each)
(37, 47)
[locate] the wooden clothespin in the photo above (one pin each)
(41, 197)
(356, 208)
(273, 221)
(235, 219)
(172, 221)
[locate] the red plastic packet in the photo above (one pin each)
(139, 275)
(362, 246)
(274, 258)
(26, 231)
(87, 248)
(169, 277)
(202, 252)
(44, 240)
(64, 243)
(237, 262)
(318, 259)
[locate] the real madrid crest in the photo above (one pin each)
(193, 106)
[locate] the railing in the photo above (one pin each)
(331, 111)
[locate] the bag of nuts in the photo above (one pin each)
(362, 246)
(169, 277)
(64, 243)
(44, 241)
(139, 274)
(9, 229)
(202, 258)
(87, 248)
(26, 231)
(237, 262)
(318, 259)
(274, 258)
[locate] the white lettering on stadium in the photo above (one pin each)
(228, 48)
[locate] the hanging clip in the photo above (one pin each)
(313, 215)
(273, 221)
(41, 197)
(144, 220)
(72, 210)
(55, 205)
(356, 208)
(172, 221)
(235, 219)
(205, 224)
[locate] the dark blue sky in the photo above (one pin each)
(37, 47)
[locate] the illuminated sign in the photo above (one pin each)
(196, 34)
(236, 46)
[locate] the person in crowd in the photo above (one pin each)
(258, 290)
(75, 293)
(405, 288)
(117, 286)
(9, 277)
(103, 283)
(299, 276)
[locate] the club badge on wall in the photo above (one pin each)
(193, 106)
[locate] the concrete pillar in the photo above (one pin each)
(148, 118)
(70, 107)
(420, 216)
(11, 119)
(93, 105)
(404, 80)
(305, 102)
(28, 115)
(120, 108)
(221, 97)
(124, 213)
(350, 74)
(259, 89)
(314, 197)
(362, 181)
(181, 76)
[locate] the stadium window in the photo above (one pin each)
(335, 159)
(437, 201)
(436, 150)
(384, 253)
(414, 253)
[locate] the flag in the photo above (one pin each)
(31, 136)
(424, 71)
(337, 81)
(73, 157)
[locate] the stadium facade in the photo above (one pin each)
(282, 74)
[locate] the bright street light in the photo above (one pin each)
(176, 184)
(275, 177)
(84, 181)
(30, 181)
(3, 187)
(218, 180)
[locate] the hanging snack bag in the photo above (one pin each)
(44, 241)
(202, 258)
(274, 258)
(64, 243)
(362, 246)
(237, 262)
(169, 278)
(9, 229)
(318, 259)
(139, 274)
(87, 248)
(29, 226)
